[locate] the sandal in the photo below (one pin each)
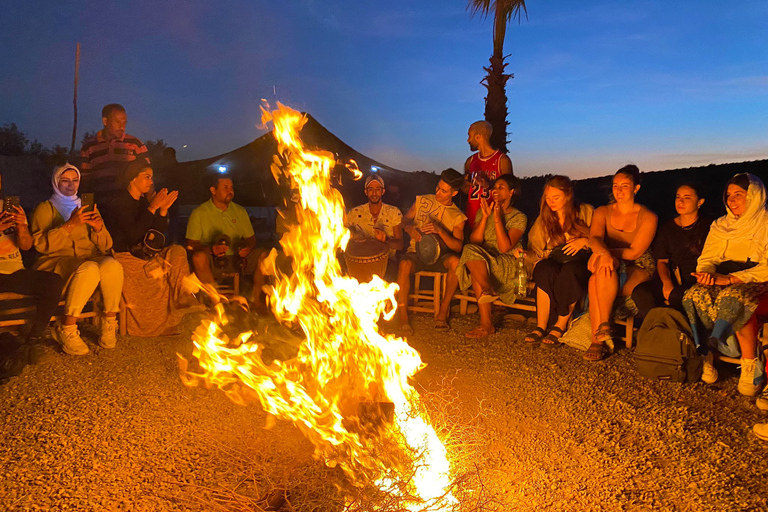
(550, 340)
(603, 333)
(440, 325)
(534, 336)
(405, 330)
(486, 297)
(595, 352)
(479, 332)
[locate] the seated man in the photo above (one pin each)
(376, 220)
(209, 222)
(432, 214)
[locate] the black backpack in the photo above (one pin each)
(665, 348)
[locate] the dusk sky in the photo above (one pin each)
(597, 84)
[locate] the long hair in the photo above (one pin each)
(572, 225)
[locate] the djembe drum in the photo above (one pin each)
(365, 258)
(430, 248)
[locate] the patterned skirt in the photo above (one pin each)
(502, 271)
(154, 294)
(730, 306)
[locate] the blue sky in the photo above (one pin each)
(597, 84)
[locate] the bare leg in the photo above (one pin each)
(451, 283)
(542, 309)
(594, 313)
(480, 283)
(201, 263)
(606, 287)
(479, 271)
(562, 321)
(635, 276)
(404, 272)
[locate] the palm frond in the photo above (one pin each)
(510, 9)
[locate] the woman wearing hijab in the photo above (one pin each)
(732, 277)
(74, 243)
(155, 294)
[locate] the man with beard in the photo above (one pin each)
(482, 168)
(376, 220)
(221, 238)
(107, 153)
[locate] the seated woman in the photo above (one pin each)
(154, 292)
(620, 238)
(487, 263)
(74, 243)
(732, 278)
(559, 243)
(676, 249)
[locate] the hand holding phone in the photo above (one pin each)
(10, 214)
(86, 201)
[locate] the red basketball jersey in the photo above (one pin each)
(488, 168)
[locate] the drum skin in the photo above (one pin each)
(366, 258)
(430, 248)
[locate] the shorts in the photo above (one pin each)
(420, 266)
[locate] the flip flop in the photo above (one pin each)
(440, 325)
(406, 330)
(479, 333)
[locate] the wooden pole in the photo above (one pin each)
(77, 76)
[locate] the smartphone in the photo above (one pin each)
(9, 202)
(86, 201)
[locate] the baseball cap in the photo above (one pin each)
(374, 177)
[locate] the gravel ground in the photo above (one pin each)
(117, 430)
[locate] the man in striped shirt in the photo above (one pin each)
(107, 153)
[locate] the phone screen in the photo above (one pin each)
(86, 200)
(10, 202)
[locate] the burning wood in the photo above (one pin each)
(347, 386)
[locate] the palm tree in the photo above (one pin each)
(496, 80)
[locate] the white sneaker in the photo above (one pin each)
(709, 372)
(762, 400)
(761, 431)
(70, 339)
(747, 378)
(108, 337)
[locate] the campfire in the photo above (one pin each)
(342, 382)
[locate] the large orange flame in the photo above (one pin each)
(345, 368)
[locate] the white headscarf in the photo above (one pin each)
(746, 226)
(64, 204)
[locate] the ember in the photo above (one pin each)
(347, 387)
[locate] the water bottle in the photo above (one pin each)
(521, 278)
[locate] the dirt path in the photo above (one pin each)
(117, 430)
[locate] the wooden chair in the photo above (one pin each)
(629, 329)
(427, 300)
(17, 309)
(527, 303)
(229, 290)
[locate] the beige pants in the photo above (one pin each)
(106, 272)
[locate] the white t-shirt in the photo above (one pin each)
(359, 219)
(10, 256)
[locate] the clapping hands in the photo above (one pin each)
(163, 200)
